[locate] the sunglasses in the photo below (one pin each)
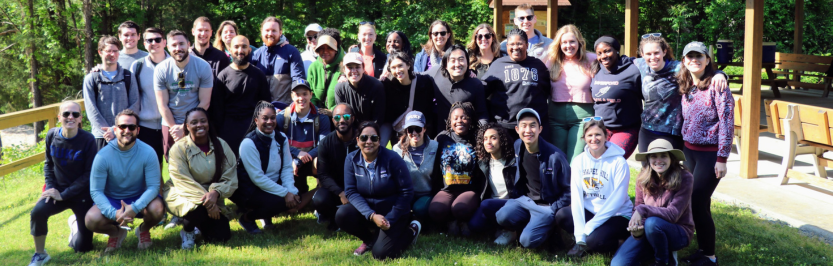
(484, 36)
(312, 38)
(131, 127)
(74, 114)
(344, 117)
(181, 80)
(414, 130)
(439, 33)
(526, 18)
(597, 118)
(657, 34)
(367, 22)
(154, 40)
(373, 138)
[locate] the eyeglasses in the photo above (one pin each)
(526, 18)
(344, 116)
(483, 36)
(439, 33)
(131, 127)
(74, 114)
(373, 138)
(181, 80)
(414, 130)
(597, 118)
(154, 40)
(367, 22)
(656, 34)
(312, 38)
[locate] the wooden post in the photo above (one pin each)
(552, 18)
(498, 19)
(798, 34)
(631, 29)
(751, 113)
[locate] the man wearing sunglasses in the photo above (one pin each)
(70, 152)
(108, 91)
(124, 184)
(525, 20)
(129, 37)
(332, 151)
(280, 62)
(311, 36)
(143, 68)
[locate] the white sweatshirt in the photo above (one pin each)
(601, 187)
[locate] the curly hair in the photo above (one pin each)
(505, 142)
(468, 109)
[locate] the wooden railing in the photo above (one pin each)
(29, 116)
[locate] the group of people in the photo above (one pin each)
(523, 139)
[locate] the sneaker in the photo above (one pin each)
(39, 259)
(173, 223)
(187, 239)
(672, 261)
(695, 257)
(73, 228)
(506, 237)
(464, 229)
(250, 226)
(267, 224)
(114, 242)
(705, 261)
(144, 237)
(416, 227)
(196, 231)
(453, 229)
(364, 248)
(319, 219)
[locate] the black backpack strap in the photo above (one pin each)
(139, 65)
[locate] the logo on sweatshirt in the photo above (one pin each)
(593, 184)
(602, 91)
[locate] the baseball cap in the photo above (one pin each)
(527, 111)
(313, 27)
(695, 47)
(300, 83)
(353, 58)
(326, 40)
(414, 118)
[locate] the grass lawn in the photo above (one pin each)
(743, 239)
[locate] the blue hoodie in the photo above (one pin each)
(118, 174)
(389, 192)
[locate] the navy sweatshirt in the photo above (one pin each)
(512, 86)
(618, 95)
(68, 163)
(387, 190)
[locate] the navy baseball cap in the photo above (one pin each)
(527, 111)
(300, 83)
(414, 118)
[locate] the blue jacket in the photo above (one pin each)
(421, 62)
(302, 135)
(554, 171)
(118, 174)
(389, 193)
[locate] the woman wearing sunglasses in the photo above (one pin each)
(601, 208)
(374, 59)
(462, 181)
(440, 38)
(483, 49)
(420, 155)
(569, 65)
(378, 186)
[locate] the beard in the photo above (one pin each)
(241, 61)
(346, 130)
(271, 42)
(130, 141)
(185, 56)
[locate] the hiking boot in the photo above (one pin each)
(144, 237)
(453, 229)
(250, 226)
(364, 248)
(506, 237)
(416, 227)
(39, 259)
(187, 239)
(114, 242)
(73, 228)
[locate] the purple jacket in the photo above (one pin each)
(671, 206)
(709, 121)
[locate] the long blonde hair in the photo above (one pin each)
(474, 50)
(556, 56)
(218, 36)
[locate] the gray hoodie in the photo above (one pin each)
(421, 176)
(105, 99)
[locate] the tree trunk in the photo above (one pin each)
(37, 99)
(89, 54)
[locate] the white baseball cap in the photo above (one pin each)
(313, 27)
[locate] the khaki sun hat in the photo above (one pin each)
(659, 146)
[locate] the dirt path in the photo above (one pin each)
(20, 135)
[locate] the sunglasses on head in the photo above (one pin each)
(367, 22)
(439, 33)
(597, 118)
(312, 38)
(526, 18)
(74, 114)
(484, 36)
(414, 130)
(656, 34)
(181, 80)
(344, 117)
(373, 138)
(131, 127)
(154, 40)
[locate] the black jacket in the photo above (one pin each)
(446, 92)
(510, 177)
(379, 60)
(554, 171)
(331, 154)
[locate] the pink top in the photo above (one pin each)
(574, 84)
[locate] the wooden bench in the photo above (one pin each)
(807, 131)
(773, 83)
(795, 66)
(762, 128)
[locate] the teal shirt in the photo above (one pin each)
(118, 174)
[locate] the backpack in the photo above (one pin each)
(126, 74)
(286, 120)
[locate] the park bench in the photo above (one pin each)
(806, 130)
(795, 66)
(763, 127)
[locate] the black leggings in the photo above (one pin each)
(605, 239)
(83, 241)
(646, 136)
(701, 164)
(385, 243)
(213, 230)
(258, 204)
(326, 203)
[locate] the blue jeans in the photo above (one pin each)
(533, 221)
(484, 219)
(661, 237)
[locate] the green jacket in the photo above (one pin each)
(323, 94)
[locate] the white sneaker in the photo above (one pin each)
(674, 256)
(187, 239)
(506, 237)
(39, 259)
(173, 223)
(73, 228)
(416, 227)
(196, 231)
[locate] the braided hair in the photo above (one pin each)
(219, 151)
(260, 106)
(468, 109)
(506, 149)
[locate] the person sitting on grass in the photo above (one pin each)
(379, 188)
(420, 155)
(266, 186)
(333, 150)
(662, 221)
(496, 159)
(203, 172)
(543, 188)
(124, 184)
(601, 208)
(70, 152)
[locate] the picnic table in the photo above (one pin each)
(771, 78)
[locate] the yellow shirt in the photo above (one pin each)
(191, 171)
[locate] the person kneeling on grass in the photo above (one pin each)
(266, 186)
(332, 152)
(543, 188)
(70, 152)
(420, 155)
(600, 207)
(378, 185)
(662, 219)
(203, 172)
(496, 159)
(124, 184)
